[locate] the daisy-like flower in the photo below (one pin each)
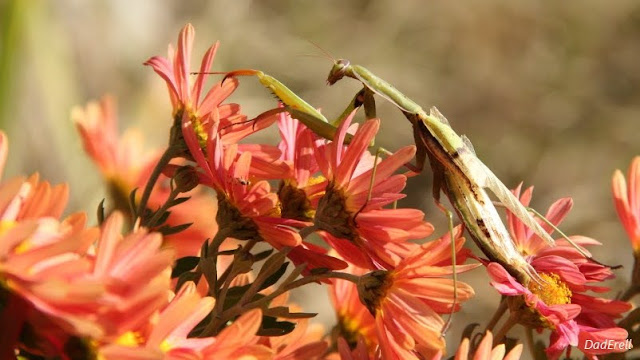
(126, 166)
(185, 96)
(560, 303)
(408, 300)
(188, 107)
(30, 198)
(246, 209)
(74, 292)
(485, 350)
(354, 321)
(300, 191)
(166, 336)
(239, 341)
(627, 201)
(361, 231)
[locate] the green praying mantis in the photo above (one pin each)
(458, 172)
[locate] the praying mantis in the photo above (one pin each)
(460, 174)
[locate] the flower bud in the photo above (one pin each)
(186, 178)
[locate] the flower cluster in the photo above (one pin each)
(192, 251)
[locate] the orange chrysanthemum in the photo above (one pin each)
(627, 201)
(358, 227)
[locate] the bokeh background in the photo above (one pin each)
(548, 91)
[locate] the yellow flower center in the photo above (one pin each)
(165, 346)
(552, 291)
(130, 339)
(24, 246)
(200, 133)
(316, 180)
(351, 330)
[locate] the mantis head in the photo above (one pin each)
(338, 71)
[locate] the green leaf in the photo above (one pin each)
(262, 255)
(187, 276)
(101, 212)
(272, 327)
(274, 277)
(283, 312)
(184, 264)
(178, 201)
(170, 230)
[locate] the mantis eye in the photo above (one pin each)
(343, 63)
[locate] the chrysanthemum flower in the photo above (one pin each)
(407, 300)
(30, 198)
(354, 321)
(246, 209)
(360, 229)
(239, 341)
(166, 336)
(299, 190)
(188, 107)
(185, 96)
(126, 166)
(627, 201)
(485, 350)
(79, 291)
(560, 303)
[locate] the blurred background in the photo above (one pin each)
(548, 91)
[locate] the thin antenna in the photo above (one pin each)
(325, 52)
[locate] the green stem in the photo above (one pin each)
(500, 335)
(166, 157)
(158, 214)
(217, 240)
(530, 343)
(304, 232)
(497, 315)
(245, 249)
(632, 291)
(240, 308)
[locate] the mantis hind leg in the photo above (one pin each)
(568, 239)
(371, 181)
(449, 216)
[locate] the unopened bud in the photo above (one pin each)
(185, 178)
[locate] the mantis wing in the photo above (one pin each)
(479, 173)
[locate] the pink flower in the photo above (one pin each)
(126, 166)
(360, 229)
(238, 341)
(299, 191)
(407, 300)
(355, 323)
(185, 96)
(485, 350)
(248, 210)
(166, 337)
(74, 292)
(627, 201)
(23, 199)
(560, 303)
